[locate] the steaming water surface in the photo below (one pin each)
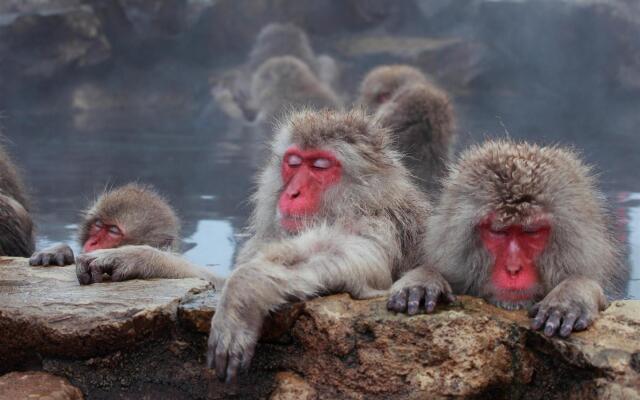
(205, 170)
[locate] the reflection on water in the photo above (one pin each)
(214, 245)
(631, 204)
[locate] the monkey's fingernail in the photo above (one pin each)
(549, 330)
(431, 305)
(565, 331)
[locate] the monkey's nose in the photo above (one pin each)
(514, 269)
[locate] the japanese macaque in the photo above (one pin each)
(16, 226)
(420, 118)
(234, 92)
(383, 82)
(335, 211)
(130, 215)
(284, 83)
(522, 226)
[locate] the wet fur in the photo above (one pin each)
(16, 226)
(421, 120)
(366, 234)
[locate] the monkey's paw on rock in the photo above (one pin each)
(139, 339)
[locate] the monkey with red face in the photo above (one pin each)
(335, 211)
(129, 215)
(522, 226)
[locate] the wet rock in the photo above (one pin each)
(44, 311)
(292, 387)
(44, 43)
(37, 386)
(148, 338)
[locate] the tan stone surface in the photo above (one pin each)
(45, 309)
(37, 386)
(292, 387)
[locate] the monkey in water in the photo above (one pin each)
(283, 83)
(522, 226)
(129, 215)
(16, 226)
(383, 82)
(311, 75)
(335, 211)
(421, 121)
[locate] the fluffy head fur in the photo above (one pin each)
(374, 182)
(140, 212)
(387, 80)
(516, 181)
(276, 40)
(421, 120)
(285, 82)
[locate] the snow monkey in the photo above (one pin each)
(283, 83)
(16, 226)
(420, 118)
(383, 82)
(335, 211)
(522, 226)
(131, 214)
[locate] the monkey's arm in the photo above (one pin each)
(319, 261)
(573, 305)
(421, 285)
(138, 262)
(59, 254)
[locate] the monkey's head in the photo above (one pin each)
(275, 40)
(130, 215)
(420, 109)
(381, 83)
(280, 76)
(326, 166)
(520, 218)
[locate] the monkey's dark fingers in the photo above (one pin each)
(398, 301)
(36, 259)
(567, 324)
(540, 318)
(534, 310)
(211, 351)
(431, 299)
(449, 297)
(582, 323)
(416, 294)
(60, 259)
(232, 368)
(83, 272)
(553, 323)
(46, 259)
(221, 362)
(247, 356)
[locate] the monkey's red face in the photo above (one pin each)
(515, 249)
(103, 236)
(306, 175)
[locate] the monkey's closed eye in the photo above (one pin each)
(294, 160)
(98, 224)
(498, 232)
(321, 163)
(114, 230)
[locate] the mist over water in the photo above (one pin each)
(140, 109)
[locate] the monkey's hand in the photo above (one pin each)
(137, 262)
(232, 343)
(59, 254)
(420, 286)
(571, 306)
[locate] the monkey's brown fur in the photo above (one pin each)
(16, 227)
(277, 40)
(143, 216)
(387, 80)
(421, 120)
(284, 83)
(365, 235)
(140, 212)
(517, 181)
